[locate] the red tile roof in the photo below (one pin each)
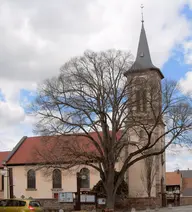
(3, 157)
(173, 178)
(41, 149)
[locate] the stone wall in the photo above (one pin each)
(53, 204)
(185, 200)
(139, 203)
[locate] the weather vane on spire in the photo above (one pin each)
(142, 20)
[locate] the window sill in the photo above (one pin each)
(31, 189)
(56, 189)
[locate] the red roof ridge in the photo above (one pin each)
(19, 144)
(70, 134)
(21, 153)
(67, 134)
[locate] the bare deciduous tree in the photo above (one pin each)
(91, 94)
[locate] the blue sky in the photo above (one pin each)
(37, 37)
(176, 67)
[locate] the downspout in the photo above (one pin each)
(6, 181)
(10, 171)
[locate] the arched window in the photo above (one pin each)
(31, 179)
(85, 178)
(140, 94)
(141, 100)
(57, 178)
(138, 98)
(144, 100)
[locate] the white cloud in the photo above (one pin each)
(38, 36)
(186, 83)
(10, 114)
(178, 158)
(11, 133)
(187, 46)
(164, 30)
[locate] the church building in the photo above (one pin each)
(143, 76)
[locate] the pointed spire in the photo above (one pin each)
(143, 58)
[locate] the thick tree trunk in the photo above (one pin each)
(149, 193)
(110, 201)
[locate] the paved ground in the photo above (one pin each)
(175, 209)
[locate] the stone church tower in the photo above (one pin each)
(144, 105)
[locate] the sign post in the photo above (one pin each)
(78, 197)
(65, 197)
